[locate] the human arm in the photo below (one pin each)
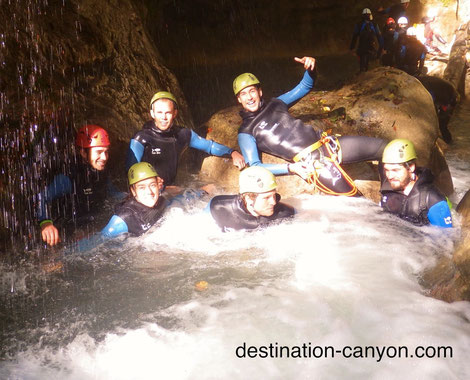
(354, 38)
(305, 85)
(216, 149)
(60, 186)
(115, 227)
(135, 153)
(247, 144)
(439, 215)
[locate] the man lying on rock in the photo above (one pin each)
(312, 154)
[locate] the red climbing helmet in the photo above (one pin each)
(390, 21)
(90, 136)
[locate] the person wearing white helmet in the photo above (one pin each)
(257, 203)
(411, 54)
(408, 190)
(368, 38)
(161, 143)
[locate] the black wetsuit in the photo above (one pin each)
(278, 133)
(411, 55)
(445, 97)
(368, 33)
(138, 217)
(230, 213)
(75, 199)
(424, 202)
(162, 149)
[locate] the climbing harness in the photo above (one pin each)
(329, 161)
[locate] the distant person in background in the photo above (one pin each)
(396, 10)
(408, 190)
(411, 54)
(369, 41)
(430, 33)
(445, 98)
(75, 199)
(390, 37)
(257, 204)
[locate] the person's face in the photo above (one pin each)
(98, 157)
(146, 191)
(264, 203)
(398, 175)
(250, 98)
(163, 112)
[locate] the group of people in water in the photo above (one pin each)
(396, 44)
(76, 199)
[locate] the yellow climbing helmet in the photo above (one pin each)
(398, 151)
(256, 179)
(163, 95)
(243, 81)
(140, 171)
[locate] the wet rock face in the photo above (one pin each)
(92, 57)
(383, 102)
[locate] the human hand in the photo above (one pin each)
(173, 190)
(238, 160)
(308, 62)
(50, 234)
(298, 168)
(160, 182)
(210, 188)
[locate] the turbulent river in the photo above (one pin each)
(334, 293)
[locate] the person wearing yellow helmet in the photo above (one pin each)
(408, 191)
(310, 153)
(137, 214)
(257, 203)
(76, 197)
(161, 143)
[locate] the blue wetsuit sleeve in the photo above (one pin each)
(207, 209)
(299, 91)
(208, 146)
(249, 149)
(135, 153)
(60, 185)
(354, 37)
(115, 227)
(439, 215)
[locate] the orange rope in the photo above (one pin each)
(314, 178)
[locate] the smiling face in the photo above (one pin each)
(250, 98)
(163, 112)
(146, 191)
(97, 157)
(399, 175)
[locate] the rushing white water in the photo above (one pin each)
(342, 274)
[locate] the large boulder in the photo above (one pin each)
(383, 102)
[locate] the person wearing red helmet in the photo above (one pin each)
(76, 198)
